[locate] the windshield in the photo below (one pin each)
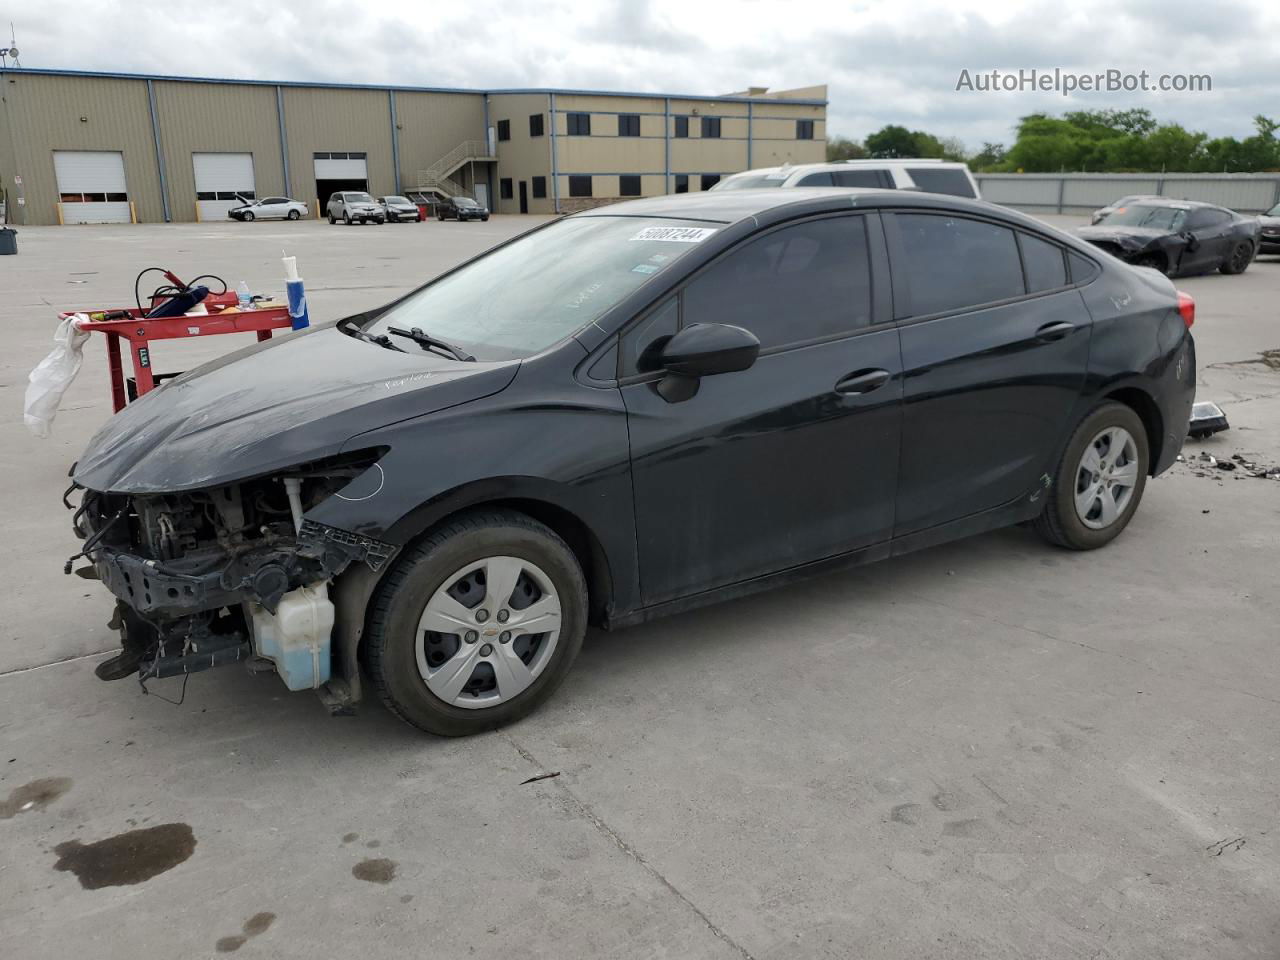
(359, 198)
(1274, 211)
(539, 289)
(751, 183)
(1158, 218)
(397, 200)
(465, 202)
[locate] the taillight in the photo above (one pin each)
(1187, 307)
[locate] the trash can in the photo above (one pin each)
(8, 241)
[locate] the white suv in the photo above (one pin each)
(355, 206)
(930, 176)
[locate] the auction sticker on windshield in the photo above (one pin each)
(675, 234)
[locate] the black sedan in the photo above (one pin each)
(1177, 237)
(1270, 230)
(461, 208)
(624, 414)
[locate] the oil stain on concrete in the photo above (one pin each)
(375, 871)
(257, 924)
(32, 796)
(128, 858)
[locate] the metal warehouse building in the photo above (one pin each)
(89, 147)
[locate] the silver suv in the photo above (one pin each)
(929, 176)
(355, 206)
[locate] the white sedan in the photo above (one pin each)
(269, 208)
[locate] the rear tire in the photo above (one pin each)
(406, 659)
(1238, 262)
(1099, 480)
(293, 214)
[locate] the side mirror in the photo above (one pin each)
(703, 350)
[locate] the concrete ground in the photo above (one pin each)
(991, 749)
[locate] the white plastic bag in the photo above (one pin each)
(52, 375)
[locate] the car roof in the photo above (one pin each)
(732, 206)
(841, 164)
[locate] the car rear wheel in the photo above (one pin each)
(1099, 481)
(293, 214)
(1239, 260)
(477, 625)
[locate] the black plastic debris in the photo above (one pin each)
(1207, 419)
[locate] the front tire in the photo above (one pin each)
(346, 218)
(248, 217)
(1239, 260)
(332, 219)
(452, 647)
(1099, 481)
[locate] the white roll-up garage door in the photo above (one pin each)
(341, 166)
(221, 178)
(91, 186)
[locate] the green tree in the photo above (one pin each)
(842, 148)
(897, 141)
(990, 157)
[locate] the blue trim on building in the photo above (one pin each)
(114, 75)
(155, 136)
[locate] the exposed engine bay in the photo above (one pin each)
(234, 573)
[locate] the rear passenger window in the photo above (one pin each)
(794, 284)
(816, 180)
(860, 178)
(1044, 263)
(948, 180)
(1082, 268)
(952, 262)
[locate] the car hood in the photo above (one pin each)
(271, 406)
(1270, 224)
(1125, 236)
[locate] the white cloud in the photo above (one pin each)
(886, 62)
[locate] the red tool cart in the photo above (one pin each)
(131, 324)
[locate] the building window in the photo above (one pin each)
(579, 186)
(682, 183)
(711, 126)
(539, 188)
(504, 188)
(535, 124)
(629, 185)
(804, 129)
(504, 129)
(709, 180)
(628, 124)
(682, 126)
(580, 125)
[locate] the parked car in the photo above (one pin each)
(268, 208)
(1103, 212)
(932, 176)
(1178, 237)
(395, 209)
(1270, 231)
(354, 206)
(461, 208)
(622, 414)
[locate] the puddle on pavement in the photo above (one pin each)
(257, 924)
(375, 871)
(128, 858)
(35, 795)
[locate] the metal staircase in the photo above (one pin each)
(437, 178)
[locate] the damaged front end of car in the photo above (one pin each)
(233, 573)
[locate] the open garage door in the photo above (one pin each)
(91, 186)
(340, 171)
(221, 179)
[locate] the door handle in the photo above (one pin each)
(1054, 331)
(862, 381)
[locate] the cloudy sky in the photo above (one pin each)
(885, 62)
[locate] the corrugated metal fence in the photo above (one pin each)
(1084, 192)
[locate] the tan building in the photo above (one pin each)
(87, 147)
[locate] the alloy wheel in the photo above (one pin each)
(1106, 478)
(488, 632)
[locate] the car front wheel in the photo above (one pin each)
(248, 216)
(1099, 481)
(477, 625)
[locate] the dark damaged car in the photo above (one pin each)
(624, 414)
(1177, 237)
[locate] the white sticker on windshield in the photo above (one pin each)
(675, 234)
